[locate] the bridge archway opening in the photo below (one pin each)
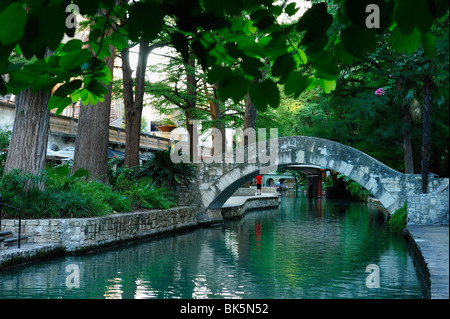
(311, 191)
(270, 182)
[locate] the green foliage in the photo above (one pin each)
(120, 176)
(164, 172)
(61, 178)
(4, 144)
(145, 193)
(238, 34)
(397, 222)
(22, 190)
(67, 195)
(355, 189)
(102, 193)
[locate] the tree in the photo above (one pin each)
(35, 26)
(92, 141)
(377, 105)
(134, 99)
(28, 146)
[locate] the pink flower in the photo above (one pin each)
(379, 92)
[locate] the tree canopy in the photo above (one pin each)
(244, 34)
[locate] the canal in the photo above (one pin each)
(307, 248)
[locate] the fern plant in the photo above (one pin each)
(164, 172)
(397, 223)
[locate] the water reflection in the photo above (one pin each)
(306, 249)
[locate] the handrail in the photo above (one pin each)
(20, 217)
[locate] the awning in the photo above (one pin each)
(52, 155)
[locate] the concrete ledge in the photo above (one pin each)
(28, 252)
(432, 249)
(237, 206)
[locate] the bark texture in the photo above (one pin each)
(28, 146)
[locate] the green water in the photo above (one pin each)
(306, 249)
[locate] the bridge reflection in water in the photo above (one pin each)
(308, 248)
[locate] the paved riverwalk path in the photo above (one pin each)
(433, 244)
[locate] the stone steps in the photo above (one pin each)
(8, 239)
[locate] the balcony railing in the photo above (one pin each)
(67, 126)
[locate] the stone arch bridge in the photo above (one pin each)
(218, 180)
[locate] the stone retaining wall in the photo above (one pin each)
(83, 233)
(428, 209)
(431, 208)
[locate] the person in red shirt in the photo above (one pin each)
(258, 184)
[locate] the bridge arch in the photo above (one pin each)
(219, 180)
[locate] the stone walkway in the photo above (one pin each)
(433, 242)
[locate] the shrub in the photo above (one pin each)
(60, 178)
(105, 194)
(120, 176)
(4, 144)
(147, 194)
(355, 189)
(397, 223)
(67, 195)
(164, 172)
(62, 196)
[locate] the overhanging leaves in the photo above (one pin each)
(12, 21)
(358, 41)
(68, 88)
(145, 20)
(59, 103)
(405, 43)
(264, 94)
(181, 44)
(315, 21)
(296, 83)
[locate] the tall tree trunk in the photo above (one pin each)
(249, 122)
(406, 143)
(134, 103)
(191, 90)
(216, 117)
(28, 146)
(249, 117)
(426, 114)
(91, 146)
